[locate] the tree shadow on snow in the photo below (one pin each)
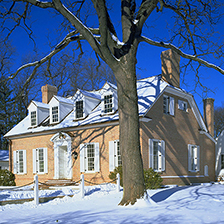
(163, 195)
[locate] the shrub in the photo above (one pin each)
(113, 175)
(152, 179)
(7, 178)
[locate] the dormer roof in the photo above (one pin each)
(39, 104)
(148, 89)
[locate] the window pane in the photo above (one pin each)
(222, 161)
(119, 154)
(41, 160)
(79, 109)
(155, 155)
(165, 105)
(33, 116)
(20, 168)
(90, 157)
(108, 104)
(54, 114)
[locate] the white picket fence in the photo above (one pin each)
(81, 186)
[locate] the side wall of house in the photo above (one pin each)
(177, 132)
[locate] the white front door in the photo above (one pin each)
(62, 154)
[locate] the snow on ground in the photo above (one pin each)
(188, 204)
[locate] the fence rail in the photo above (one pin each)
(36, 184)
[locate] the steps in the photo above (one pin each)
(55, 183)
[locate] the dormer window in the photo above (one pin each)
(79, 109)
(55, 114)
(108, 103)
(33, 118)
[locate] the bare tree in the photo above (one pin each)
(219, 120)
(192, 25)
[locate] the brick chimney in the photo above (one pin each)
(171, 67)
(48, 92)
(209, 114)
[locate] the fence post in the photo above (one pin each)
(118, 182)
(36, 190)
(82, 190)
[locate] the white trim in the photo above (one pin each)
(62, 139)
(53, 131)
(145, 119)
(208, 135)
(184, 176)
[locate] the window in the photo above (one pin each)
(55, 114)
(89, 157)
(168, 105)
(222, 161)
(33, 118)
(108, 103)
(40, 160)
(79, 109)
(157, 154)
(193, 158)
(182, 105)
(19, 161)
(114, 155)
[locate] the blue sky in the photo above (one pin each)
(148, 57)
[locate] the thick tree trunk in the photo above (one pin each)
(133, 179)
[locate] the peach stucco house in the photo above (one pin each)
(62, 138)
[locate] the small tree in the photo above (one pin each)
(218, 120)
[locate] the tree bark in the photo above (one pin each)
(133, 178)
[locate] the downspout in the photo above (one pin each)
(10, 155)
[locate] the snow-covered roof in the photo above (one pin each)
(4, 155)
(40, 104)
(148, 90)
(64, 100)
(91, 94)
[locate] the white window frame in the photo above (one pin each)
(17, 162)
(161, 155)
(114, 155)
(193, 158)
(84, 158)
(56, 114)
(182, 105)
(32, 119)
(37, 161)
(112, 103)
(168, 105)
(82, 109)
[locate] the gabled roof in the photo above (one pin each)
(4, 155)
(148, 89)
(63, 99)
(39, 104)
(91, 94)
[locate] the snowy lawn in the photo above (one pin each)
(190, 204)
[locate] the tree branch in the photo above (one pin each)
(181, 53)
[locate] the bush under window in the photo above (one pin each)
(7, 178)
(152, 179)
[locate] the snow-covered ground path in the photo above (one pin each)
(193, 204)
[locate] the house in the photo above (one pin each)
(4, 160)
(219, 165)
(62, 138)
